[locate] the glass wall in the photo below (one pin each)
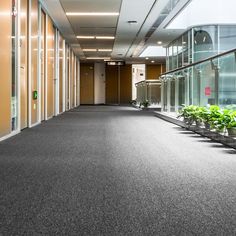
(210, 82)
(212, 79)
(200, 43)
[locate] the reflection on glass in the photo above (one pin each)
(14, 83)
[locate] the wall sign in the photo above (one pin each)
(35, 95)
(207, 91)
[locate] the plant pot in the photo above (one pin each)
(207, 125)
(198, 124)
(232, 131)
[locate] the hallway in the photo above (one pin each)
(107, 170)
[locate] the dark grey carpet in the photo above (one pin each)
(115, 171)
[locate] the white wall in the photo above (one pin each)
(138, 74)
(99, 83)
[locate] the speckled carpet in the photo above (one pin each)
(100, 170)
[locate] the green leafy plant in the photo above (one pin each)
(144, 104)
(190, 114)
(227, 120)
(133, 102)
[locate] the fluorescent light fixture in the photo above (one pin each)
(89, 50)
(92, 13)
(154, 51)
(98, 58)
(94, 37)
(85, 37)
(223, 13)
(105, 50)
(105, 37)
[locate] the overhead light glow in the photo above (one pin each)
(89, 50)
(105, 37)
(92, 13)
(98, 58)
(105, 50)
(154, 51)
(159, 42)
(94, 37)
(85, 37)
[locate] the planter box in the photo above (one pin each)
(226, 140)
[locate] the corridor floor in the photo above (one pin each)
(107, 170)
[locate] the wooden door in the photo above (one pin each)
(112, 85)
(87, 84)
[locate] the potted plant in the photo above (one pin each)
(189, 114)
(215, 113)
(144, 104)
(228, 122)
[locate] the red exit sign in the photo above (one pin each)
(207, 91)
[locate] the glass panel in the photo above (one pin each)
(207, 84)
(181, 90)
(227, 80)
(165, 96)
(205, 42)
(14, 82)
(175, 57)
(227, 36)
(172, 95)
(185, 48)
(180, 51)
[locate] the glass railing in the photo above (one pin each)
(149, 90)
(210, 81)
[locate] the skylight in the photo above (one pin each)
(202, 12)
(154, 51)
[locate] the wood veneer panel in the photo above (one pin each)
(87, 84)
(5, 67)
(50, 68)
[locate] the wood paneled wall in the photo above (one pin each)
(61, 55)
(153, 72)
(50, 68)
(24, 64)
(5, 67)
(34, 59)
(125, 84)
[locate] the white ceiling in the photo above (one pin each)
(130, 39)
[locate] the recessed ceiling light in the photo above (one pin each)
(132, 22)
(89, 50)
(105, 37)
(147, 58)
(152, 61)
(105, 50)
(98, 58)
(159, 42)
(85, 37)
(92, 13)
